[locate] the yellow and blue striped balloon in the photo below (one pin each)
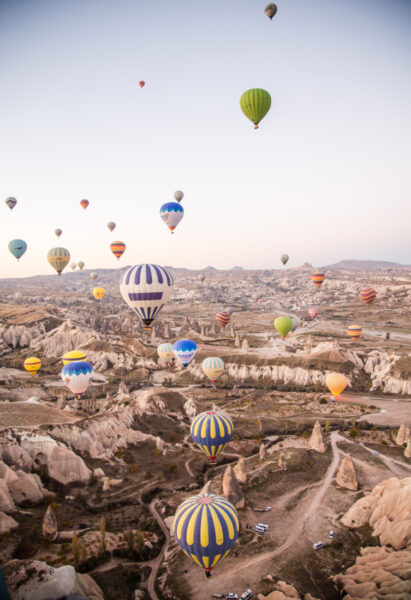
(73, 356)
(212, 431)
(206, 528)
(58, 258)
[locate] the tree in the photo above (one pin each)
(75, 548)
(103, 533)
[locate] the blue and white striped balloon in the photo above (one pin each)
(171, 213)
(146, 288)
(185, 351)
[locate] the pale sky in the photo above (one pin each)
(326, 177)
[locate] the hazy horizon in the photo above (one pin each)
(326, 175)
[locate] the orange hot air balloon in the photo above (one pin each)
(118, 249)
(354, 331)
(222, 318)
(141, 83)
(317, 278)
(84, 203)
(368, 295)
(336, 383)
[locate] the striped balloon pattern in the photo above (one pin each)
(336, 383)
(32, 365)
(223, 317)
(171, 213)
(185, 351)
(317, 278)
(77, 376)
(166, 353)
(73, 356)
(368, 295)
(213, 367)
(59, 258)
(255, 104)
(118, 249)
(212, 431)
(354, 331)
(146, 288)
(206, 528)
(84, 203)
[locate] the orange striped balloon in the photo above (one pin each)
(223, 318)
(368, 295)
(118, 249)
(354, 331)
(317, 278)
(84, 203)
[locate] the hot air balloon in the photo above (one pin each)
(73, 356)
(255, 104)
(84, 203)
(93, 275)
(317, 278)
(223, 318)
(146, 288)
(166, 353)
(336, 383)
(202, 278)
(270, 10)
(368, 295)
(213, 367)
(185, 351)
(58, 232)
(77, 376)
(118, 249)
(206, 528)
(178, 195)
(98, 293)
(283, 325)
(111, 225)
(354, 331)
(73, 266)
(32, 365)
(284, 259)
(141, 83)
(296, 323)
(212, 431)
(58, 258)
(17, 248)
(11, 202)
(171, 213)
(18, 295)
(80, 265)
(313, 312)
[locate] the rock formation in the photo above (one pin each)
(66, 467)
(7, 523)
(317, 441)
(245, 345)
(402, 435)
(407, 449)
(346, 476)
(262, 452)
(283, 591)
(237, 342)
(239, 470)
(50, 524)
(231, 488)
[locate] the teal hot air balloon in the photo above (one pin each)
(17, 248)
(255, 104)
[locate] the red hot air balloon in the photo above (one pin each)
(141, 83)
(84, 203)
(368, 295)
(222, 318)
(313, 312)
(118, 249)
(317, 278)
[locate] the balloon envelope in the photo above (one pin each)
(206, 528)
(213, 367)
(270, 10)
(111, 225)
(58, 232)
(317, 278)
(84, 203)
(80, 265)
(73, 266)
(284, 259)
(296, 323)
(98, 293)
(283, 325)
(118, 249)
(73, 356)
(58, 258)
(32, 365)
(166, 353)
(77, 376)
(178, 195)
(313, 312)
(336, 383)
(11, 202)
(354, 331)
(255, 104)
(212, 431)
(141, 83)
(185, 351)
(17, 248)
(146, 288)
(368, 295)
(93, 276)
(171, 213)
(223, 318)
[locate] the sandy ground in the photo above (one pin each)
(28, 415)
(396, 410)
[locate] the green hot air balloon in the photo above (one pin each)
(283, 325)
(270, 10)
(17, 248)
(81, 264)
(255, 104)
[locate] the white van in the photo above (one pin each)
(247, 595)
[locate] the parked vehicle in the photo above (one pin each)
(259, 529)
(318, 545)
(231, 596)
(263, 525)
(374, 452)
(331, 533)
(247, 595)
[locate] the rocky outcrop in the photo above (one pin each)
(407, 449)
(27, 488)
(387, 510)
(14, 455)
(66, 467)
(35, 580)
(49, 526)
(381, 367)
(262, 452)
(377, 573)
(346, 476)
(7, 523)
(231, 488)
(6, 499)
(402, 435)
(239, 470)
(317, 441)
(283, 591)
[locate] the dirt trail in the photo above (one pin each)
(155, 564)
